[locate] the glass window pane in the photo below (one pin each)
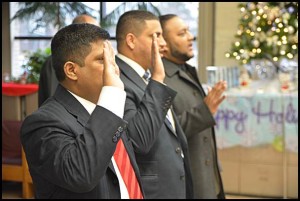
(186, 10)
(20, 49)
(25, 28)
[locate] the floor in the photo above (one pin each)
(13, 190)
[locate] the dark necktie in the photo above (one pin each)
(127, 172)
(169, 121)
(147, 76)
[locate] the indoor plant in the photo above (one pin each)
(33, 66)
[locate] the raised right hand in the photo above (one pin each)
(215, 96)
(111, 72)
(157, 71)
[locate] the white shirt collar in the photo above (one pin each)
(135, 66)
(88, 105)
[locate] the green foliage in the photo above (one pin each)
(47, 13)
(266, 30)
(34, 65)
(112, 18)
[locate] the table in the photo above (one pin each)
(257, 119)
(21, 90)
(251, 118)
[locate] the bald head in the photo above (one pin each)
(84, 18)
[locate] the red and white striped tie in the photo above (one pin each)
(127, 172)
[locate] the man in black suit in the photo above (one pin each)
(160, 146)
(194, 108)
(70, 140)
(48, 81)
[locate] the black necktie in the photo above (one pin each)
(147, 76)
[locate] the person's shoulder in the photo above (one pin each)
(171, 68)
(50, 107)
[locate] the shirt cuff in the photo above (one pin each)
(113, 99)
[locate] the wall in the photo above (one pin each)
(259, 171)
(11, 106)
(6, 52)
(226, 23)
(218, 23)
(255, 171)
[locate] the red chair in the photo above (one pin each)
(14, 163)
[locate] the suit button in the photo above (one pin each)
(178, 150)
(120, 129)
(205, 139)
(182, 178)
(115, 139)
(207, 162)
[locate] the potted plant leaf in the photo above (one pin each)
(50, 12)
(32, 67)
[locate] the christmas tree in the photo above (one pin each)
(266, 30)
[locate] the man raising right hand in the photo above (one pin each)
(71, 139)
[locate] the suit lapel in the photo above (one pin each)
(111, 167)
(75, 108)
(71, 104)
(130, 74)
(185, 76)
(192, 70)
(173, 69)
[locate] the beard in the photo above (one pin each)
(181, 56)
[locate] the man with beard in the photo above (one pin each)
(194, 108)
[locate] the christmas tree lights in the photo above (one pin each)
(266, 30)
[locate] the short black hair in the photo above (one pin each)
(73, 43)
(132, 22)
(163, 19)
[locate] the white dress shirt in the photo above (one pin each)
(113, 99)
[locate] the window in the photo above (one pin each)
(24, 40)
(188, 11)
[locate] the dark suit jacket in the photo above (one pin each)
(69, 151)
(48, 81)
(198, 125)
(157, 147)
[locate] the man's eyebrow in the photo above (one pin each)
(100, 55)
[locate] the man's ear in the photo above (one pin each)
(130, 40)
(70, 69)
